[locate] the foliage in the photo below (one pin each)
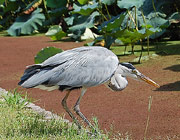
(85, 9)
(45, 53)
(25, 17)
(15, 99)
(109, 19)
(56, 3)
(56, 32)
(26, 24)
(122, 19)
(128, 4)
(81, 23)
(82, 2)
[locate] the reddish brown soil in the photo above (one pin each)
(127, 110)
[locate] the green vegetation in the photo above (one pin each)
(128, 22)
(15, 100)
(19, 123)
(45, 53)
(160, 48)
(111, 19)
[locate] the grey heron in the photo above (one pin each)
(81, 67)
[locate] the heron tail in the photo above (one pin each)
(29, 72)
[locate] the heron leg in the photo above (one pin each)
(77, 109)
(64, 104)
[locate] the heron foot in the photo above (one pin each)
(78, 112)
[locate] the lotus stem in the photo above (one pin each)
(107, 11)
(101, 11)
(153, 6)
(146, 28)
(102, 14)
(132, 20)
(135, 16)
(45, 7)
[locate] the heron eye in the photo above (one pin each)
(134, 71)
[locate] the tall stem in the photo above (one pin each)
(154, 6)
(146, 28)
(102, 14)
(5, 3)
(107, 11)
(132, 20)
(148, 118)
(136, 16)
(45, 7)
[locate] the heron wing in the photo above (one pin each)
(84, 66)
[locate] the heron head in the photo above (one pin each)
(130, 71)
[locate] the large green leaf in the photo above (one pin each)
(82, 2)
(84, 10)
(132, 36)
(96, 40)
(26, 24)
(56, 32)
(57, 12)
(53, 30)
(148, 32)
(163, 6)
(81, 23)
(158, 21)
(115, 22)
(58, 36)
(2, 1)
(45, 53)
(70, 20)
(174, 18)
(56, 3)
(12, 6)
(127, 4)
(108, 2)
(129, 37)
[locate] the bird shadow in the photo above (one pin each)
(175, 68)
(170, 87)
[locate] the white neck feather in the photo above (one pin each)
(118, 81)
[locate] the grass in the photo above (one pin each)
(159, 48)
(17, 122)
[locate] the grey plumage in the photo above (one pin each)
(81, 68)
(78, 67)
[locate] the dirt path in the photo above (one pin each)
(126, 111)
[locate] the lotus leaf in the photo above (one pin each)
(85, 10)
(56, 3)
(82, 2)
(26, 24)
(108, 2)
(45, 53)
(127, 4)
(56, 32)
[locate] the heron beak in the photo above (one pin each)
(148, 80)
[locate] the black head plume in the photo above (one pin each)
(128, 65)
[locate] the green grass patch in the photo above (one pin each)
(17, 122)
(159, 48)
(3, 33)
